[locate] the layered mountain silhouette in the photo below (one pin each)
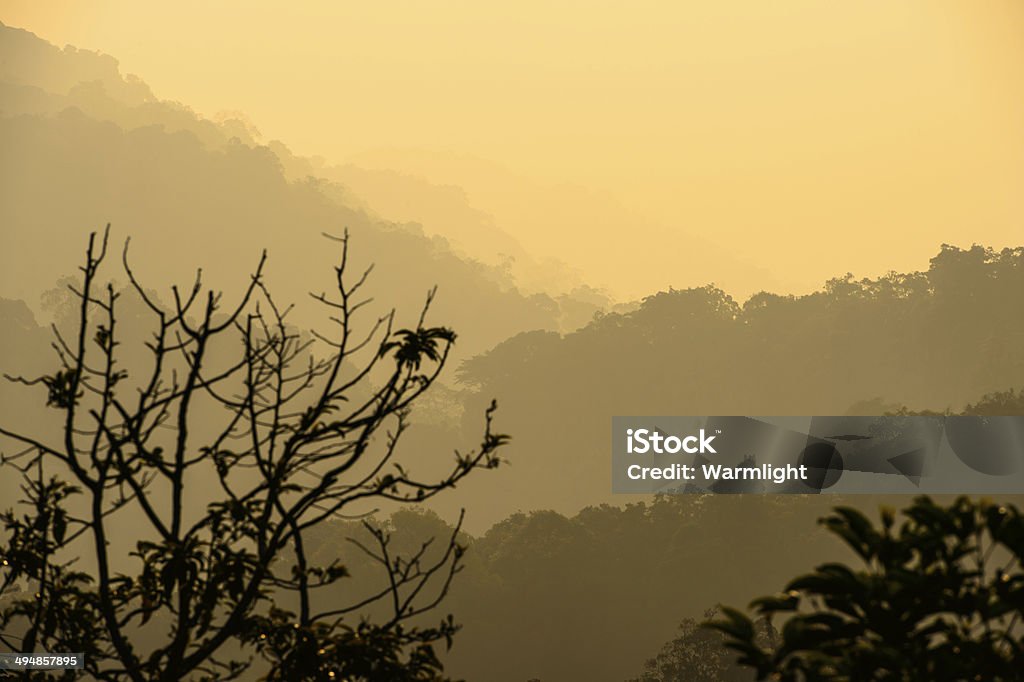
(85, 146)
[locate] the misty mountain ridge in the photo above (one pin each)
(37, 78)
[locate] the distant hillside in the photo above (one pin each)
(84, 146)
(445, 209)
(937, 340)
(617, 245)
(610, 583)
(39, 79)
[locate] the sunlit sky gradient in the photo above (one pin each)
(806, 137)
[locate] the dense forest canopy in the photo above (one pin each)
(545, 594)
(934, 340)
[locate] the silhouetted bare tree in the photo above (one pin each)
(236, 404)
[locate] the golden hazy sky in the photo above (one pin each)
(806, 137)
